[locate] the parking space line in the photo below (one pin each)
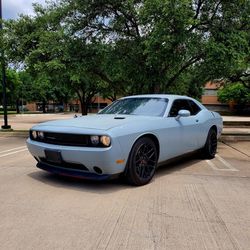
(227, 165)
(11, 153)
(12, 149)
(212, 165)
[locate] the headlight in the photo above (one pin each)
(105, 140)
(40, 134)
(94, 139)
(34, 134)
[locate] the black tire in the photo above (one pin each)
(210, 147)
(142, 162)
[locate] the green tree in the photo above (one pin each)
(53, 57)
(133, 46)
(12, 88)
(164, 46)
(236, 93)
(228, 43)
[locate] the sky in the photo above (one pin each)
(11, 8)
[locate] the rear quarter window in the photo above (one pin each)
(186, 104)
(195, 109)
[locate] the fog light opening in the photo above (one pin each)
(97, 170)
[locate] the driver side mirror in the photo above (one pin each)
(182, 113)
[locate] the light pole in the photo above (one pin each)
(5, 126)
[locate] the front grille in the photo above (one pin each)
(64, 164)
(63, 139)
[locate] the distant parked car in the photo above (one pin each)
(132, 136)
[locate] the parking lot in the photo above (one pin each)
(190, 204)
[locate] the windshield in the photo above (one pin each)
(137, 106)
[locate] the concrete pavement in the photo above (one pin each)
(236, 118)
(190, 204)
(26, 121)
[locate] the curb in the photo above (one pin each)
(14, 133)
(233, 137)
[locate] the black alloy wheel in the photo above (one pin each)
(210, 147)
(142, 162)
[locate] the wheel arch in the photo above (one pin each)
(207, 151)
(214, 127)
(153, 137)
(155, 140)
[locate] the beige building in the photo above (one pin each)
(209, 96)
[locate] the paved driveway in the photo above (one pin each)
(191, 204)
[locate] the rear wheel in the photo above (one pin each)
(142, 162)
(210, 147)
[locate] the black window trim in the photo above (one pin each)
(188, 101)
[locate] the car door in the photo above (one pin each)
(187, 127)
(199, 121)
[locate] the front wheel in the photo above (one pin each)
(142, 162)
(210, 147)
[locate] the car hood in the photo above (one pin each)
(97, 122)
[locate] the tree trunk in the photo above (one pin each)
(17, 106)
(84, 108)
(231, 105)
(44, 106)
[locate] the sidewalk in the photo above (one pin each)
(233, 125)
(236, 118)
(26, 121)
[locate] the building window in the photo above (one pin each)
(210, 92)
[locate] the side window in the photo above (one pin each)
(178, 105)
(195, 108)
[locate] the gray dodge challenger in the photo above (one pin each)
(132, 136)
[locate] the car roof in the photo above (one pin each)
(158, 96)
(171, 98)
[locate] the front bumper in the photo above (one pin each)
(103, 158)
(73, 172)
